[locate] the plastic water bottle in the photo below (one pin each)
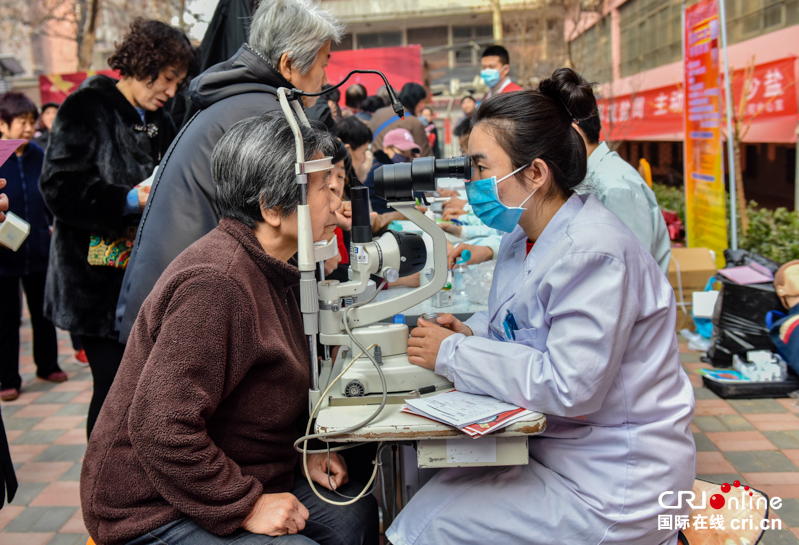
(427, 272)
(459, 270)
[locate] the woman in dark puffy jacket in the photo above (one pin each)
(107, 138)
(27, 267)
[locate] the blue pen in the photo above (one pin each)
(457, 222)
(512, 320)
(510, 325)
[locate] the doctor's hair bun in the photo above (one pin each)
(572, 92)
(531, 125)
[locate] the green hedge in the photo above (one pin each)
(772, 233)
(671, 198)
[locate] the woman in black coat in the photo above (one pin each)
(107, 138)
(27, 267)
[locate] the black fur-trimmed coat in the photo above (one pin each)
(96, 155)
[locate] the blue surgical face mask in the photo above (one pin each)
(484, 198)
(490, 77)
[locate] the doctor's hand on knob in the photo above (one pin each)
(426, 339)
(276, 515)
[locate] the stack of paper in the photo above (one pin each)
(751, 273)
(474, 415)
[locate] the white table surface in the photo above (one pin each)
(393, 425)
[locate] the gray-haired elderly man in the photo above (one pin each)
(289, 46)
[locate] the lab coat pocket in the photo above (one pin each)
(526, 336)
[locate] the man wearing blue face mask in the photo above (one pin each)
(495, 71)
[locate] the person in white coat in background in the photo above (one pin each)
(619, 186)
(580, 327)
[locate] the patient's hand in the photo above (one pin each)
(332, 264)
(317, 468)
(276, 515)
(455, 203)
(344, 216)
(480, 254)
(452, 213)
(451, 228)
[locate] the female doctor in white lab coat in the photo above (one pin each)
(581, 328)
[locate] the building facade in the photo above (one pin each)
(452, 34)
(634, 49)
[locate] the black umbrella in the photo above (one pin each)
(226, 32)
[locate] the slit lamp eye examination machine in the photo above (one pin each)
(371, 374)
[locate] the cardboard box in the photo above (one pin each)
(695, 266)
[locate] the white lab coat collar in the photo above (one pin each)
(517, 247)
(553, 232)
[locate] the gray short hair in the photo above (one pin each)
(297, 27)
(253, 166)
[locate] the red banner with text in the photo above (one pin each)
(399, 64)
(657, 114)
(57, 87)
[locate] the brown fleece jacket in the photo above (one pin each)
(202, 415)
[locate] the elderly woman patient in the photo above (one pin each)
(194, 443)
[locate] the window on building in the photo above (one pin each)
(751, 18)
(344, 45)
(434, 44)
(379, 39)
(650, 34)
(591, 52)
(465, 53)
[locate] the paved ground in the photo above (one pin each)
(754, 441)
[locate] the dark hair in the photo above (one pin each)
(149, 47)
(463, 127)
(532, 125)
(469, 97)
(253, 165)
(339, 152)
(577, 96)
(411, 95)
(581, 103)
(16, 104)
(372, 104)
(332, 94)
(591, 126)
(352, 131)
(354, 96)
(497, 51)
(46, 105)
